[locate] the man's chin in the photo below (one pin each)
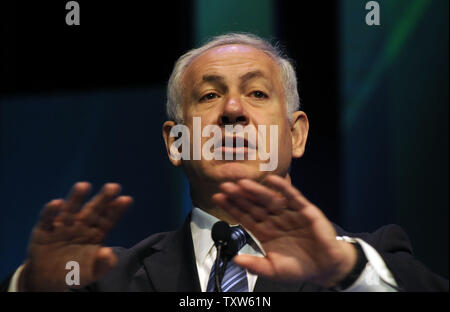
(236, 170)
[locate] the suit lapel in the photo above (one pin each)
(172, 267)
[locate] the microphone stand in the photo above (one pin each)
(218, 275)
(220, 271)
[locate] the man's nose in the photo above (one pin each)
(233, 113)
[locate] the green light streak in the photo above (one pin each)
(392, 48)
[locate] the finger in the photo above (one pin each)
(292, 194)
(73, 203)
(284, 220)
(263, 231)
(235, 194)
(105, 261)
(263, 196)
(77, 196)
(113, 211)
(302, 211)
(241, 217)
(92, 210)
(256, 265)
(49, 213)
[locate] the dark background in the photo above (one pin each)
(87, 103)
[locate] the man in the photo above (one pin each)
(234, 80)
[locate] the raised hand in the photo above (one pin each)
(72, 230)
(299, 241)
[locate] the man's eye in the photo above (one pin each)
(208, 96)
(259, 95)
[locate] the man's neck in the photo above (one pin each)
(211, 208)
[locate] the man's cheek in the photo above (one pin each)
(268, 147)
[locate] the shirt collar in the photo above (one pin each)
(201, 225)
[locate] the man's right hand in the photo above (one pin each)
(72, 230)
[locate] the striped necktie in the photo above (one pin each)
(235, 277)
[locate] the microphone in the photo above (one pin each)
(221, 235)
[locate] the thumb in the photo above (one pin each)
(105, 260)
(255, 265)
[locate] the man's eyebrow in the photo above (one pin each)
(212, 78)
(251, 75)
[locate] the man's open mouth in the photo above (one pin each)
(235, 145)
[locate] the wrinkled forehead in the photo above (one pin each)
(235, 56)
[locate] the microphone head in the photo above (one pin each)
(221, 232)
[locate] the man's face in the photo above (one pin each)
(230, 85)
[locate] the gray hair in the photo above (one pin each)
(287, 71)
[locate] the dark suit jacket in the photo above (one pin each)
(166, 262)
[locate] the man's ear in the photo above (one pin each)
(168, 140)
(299, 131)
